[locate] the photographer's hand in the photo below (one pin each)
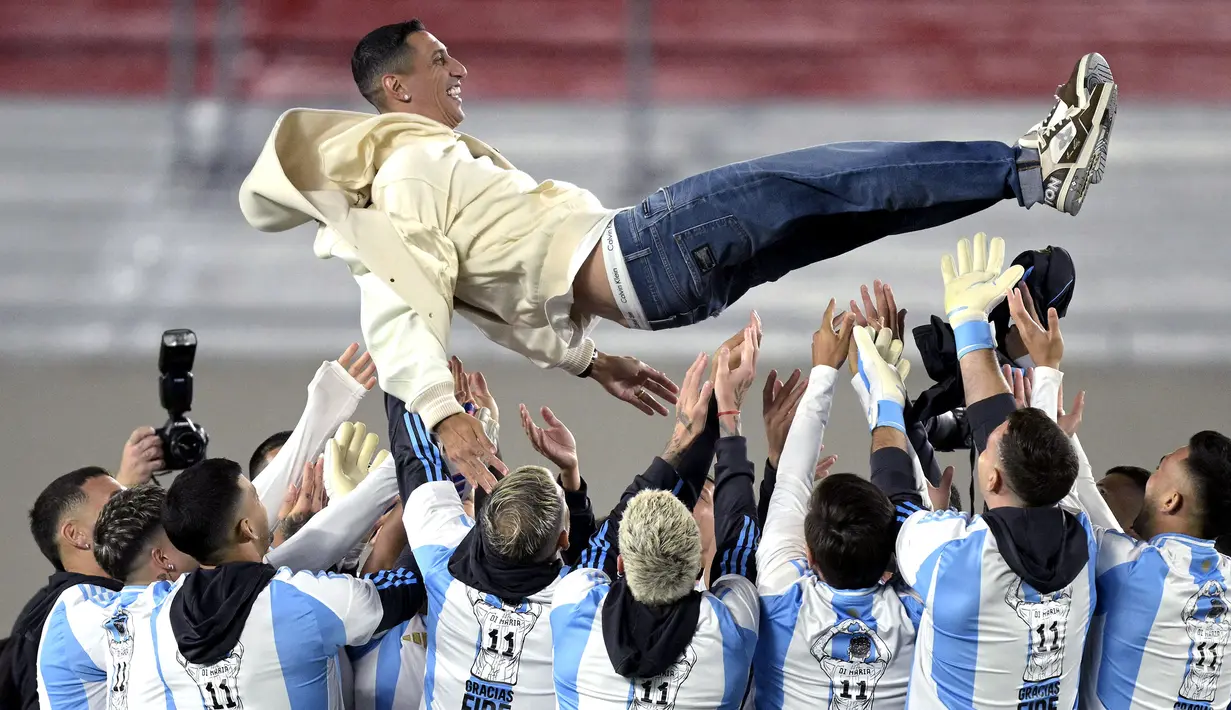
(141, 458)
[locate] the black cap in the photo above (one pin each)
(1051, 278)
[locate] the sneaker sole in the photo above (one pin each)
(1095, 70)
(1093, 152)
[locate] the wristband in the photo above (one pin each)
(729, 413)
(974, 335)
(890, 414)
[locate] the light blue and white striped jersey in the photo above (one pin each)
(72, 654)
(987, 639)
(1161, 626)
(481, 651)
(286, 656)
(822, 647)
(388, 671)
(835, 648)
(712, 673)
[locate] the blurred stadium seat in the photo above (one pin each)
(704, 49)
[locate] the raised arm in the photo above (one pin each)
(783, 549)
(333, 395)
(556, 444)
(737, 529)
(690, 420)
(974, 285)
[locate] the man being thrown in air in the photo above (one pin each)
(430, 220)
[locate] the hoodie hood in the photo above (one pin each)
(476, 565)
(1047, 547)
(644, 641)
(210, 610)
(18, 687)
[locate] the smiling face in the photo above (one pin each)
(432, 87)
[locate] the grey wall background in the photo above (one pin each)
(106, 242)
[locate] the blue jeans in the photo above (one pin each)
(695, 247)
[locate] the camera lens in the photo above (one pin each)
(187, 446)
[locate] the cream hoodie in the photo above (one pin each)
(429, 220)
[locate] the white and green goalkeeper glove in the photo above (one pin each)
(881, 378)
(349, 456)
(973, 288)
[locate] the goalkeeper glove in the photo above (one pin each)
(881, 379)
(973, 288)
(349, 456)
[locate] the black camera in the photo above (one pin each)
(183, 441)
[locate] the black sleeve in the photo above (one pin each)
(695, 462)
(581, 523)
(768, 480)
(604, 546)
(737, 530)
(917, 433)
(417, 456)
(985, 415)
(894, 474)
(401, 592)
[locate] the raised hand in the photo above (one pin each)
(823, 467)
(1045, 345)
(831, 345)
(734, 344)
(973, 287)
(142, 457)
(555, 443)
(1071, 422)
(882, 374)
(690, 410)
(349, 456)
(1021, 380)
(778, 403)
(468, 448)
(731, 384)
(880, 309)
(362, 370)
(633, 381)
(481, 395)
(461, 382)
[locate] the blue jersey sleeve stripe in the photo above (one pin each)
(423, 447)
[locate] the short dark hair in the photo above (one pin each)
(849, 531)
(955, 498)
(201, 506)
(382, 51)
(1209, 465)
(125, 527)
(1037, 458)
(56, 500)
(1136, 474)
(257, 463)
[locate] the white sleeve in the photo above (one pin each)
(782, 540)
(543, 346)
(435, 523)
(350, 608)
(344, 523)
(923, 535)
(411, 364)
(921, 481)
(1115, 549)
(333, 396)
(739, 596)
(1084, 496)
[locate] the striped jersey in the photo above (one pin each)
(711, 673)
(845, 649)
(481, 651)
(86, 650)
(285, 658)
(988, 639)
(1161, 627)
(389, 670)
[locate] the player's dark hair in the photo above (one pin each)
(1037, 458)
(258, 462)
(849, 531)
(382, 51)
(199, 512)
(955, 499)
(1136, 474)
(1209, 465)
(57, 500)
(126, 526)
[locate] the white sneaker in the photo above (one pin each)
(1072, 140)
